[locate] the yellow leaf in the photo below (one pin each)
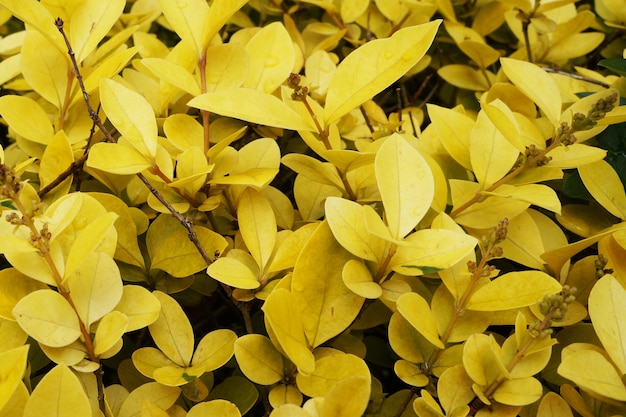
(132, 115)
(322, 172)
(44, 67)
(431, 249)
(172, 331)
(158, 394)
(453, 129)
(552, 404)
(410, 373)
(106, 68)
(519, 391)
(470, 322)
(226, 67)
(574, 156)
(605, 186)
(482, 54)
(258, 359)
(356, 388)
(536, 194)
(573, 46)
(289, 410)
(405, 340)
(327, 306)
(454, 388)
(174, 74)
(348, 224)
(215, 349)
(415, 309)
(95, 286)
(90, 23)
(351, 10)
(235, 272)
(426, 406)
(286, 323)
(221, 408)
(188, 19)
(464, 76)
(109, 332)
(257, 225)
(252, 106)
(607, 306)
(171, 250)
(56, 158)
(13, 287)
(219, 13)
(374, 66)
(289, 249)
(491, 154)
(284, 394)
(48, 318)
(117, 159)
(405, 183)
(149, 359)
(139, 305)
(90, 240)
(271, 58)
(513, 290)
(329, 371)
(27, 118)
(533, 362)
(35, 14)
(12, 367)
(537, 85)
(175, 376)
(184, 131)
(148, 409)
(590, 370)
(359, 279)
(58, 394)
(481, 358)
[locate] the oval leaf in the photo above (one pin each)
(416, 311)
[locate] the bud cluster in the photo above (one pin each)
(556, 305)
(299, 92)
(600, 265)
(9, 182)
(597, 112)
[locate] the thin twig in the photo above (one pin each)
(576, 77)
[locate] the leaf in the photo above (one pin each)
(27, 118)
(172, 331)
(374, 66)
(605, 186)
(466, 77)
(239, 391)
(286, 323)
(215, 349)
(220, 408)
(153, 392)
(454, 388)
(329, 371)
(219, 13)
(552, 404)
(188, 18)
(357, 388)
(12, 366)
(56, 158)
(139, 305)
(416, 311)
(590, 370)
(90, 240)
(48, 318)
(258, 359)
(236, 272)
(607, 305)
(174, 74)
(536, 84)
(491, 154)
(37, 16)
(13, 287)
(465, 325)
(513, 290)
(95, 286)
(410, 373)
(359, 279)
(271, 58)
(405, 183)
(574, 156)
(522, 391)
(322, 172)
(257, 225)
(116, 158)
(110, 331)
(132, 115)
(453, 130)
(327, 306)
(90, 23)
(481, 358)
(348, 224)
(171, 250)
(58, 394)
(252, 106)
(284, 394)
(230, 70)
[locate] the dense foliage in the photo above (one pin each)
(302, 208)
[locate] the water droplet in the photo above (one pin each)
(408, 56)
(388, 55)
(271, 61)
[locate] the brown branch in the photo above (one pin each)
(577, 77)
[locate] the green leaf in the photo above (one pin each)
(416, 311)
(58, 394)
(615, 65)
(374, 66)
(513, 290)
(405, 183)
(48, 318)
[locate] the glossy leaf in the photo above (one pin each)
(257, 225)
(416, 311)
(139, 305)
(357, 388)
(329, 371)
(58, 394)
(605, 186)
(158, 394)
(110, 331)
(27, 118)
(590, 370)
(358, 78)
(48, 318)
(359, 279)
(258, 359)
(188, 19)
(90, 22)
(220, 408)
(172, 331)
(12, 366)
(405, 183)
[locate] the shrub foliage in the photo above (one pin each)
(333, 208)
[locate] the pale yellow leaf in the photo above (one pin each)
(27, 118)
(172, 331)
(519, 391)
(481, 358)
(351, 10)
(415, 309)
(48, 318)
(188, 19)
(537, 85)
(226, 68)
(359, 279)
(605, 186)
(174, 74)
(574, 156)
(89, 240)
(322, 172)
(453, 129)
(374, 66)
(12, 366)
(35, 14)
(58, 394)
(13, 287)
(257, 225)
(90, 23)
(590, 370)
(405, 183)
(466, 77)
(56, 158)
(109, 332)
(139, 305)
(513, 290)
(505, 121)
(252, 106)
(536, 194)
(219, 13)
(215, 349)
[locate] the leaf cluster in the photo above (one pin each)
(312, 208)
